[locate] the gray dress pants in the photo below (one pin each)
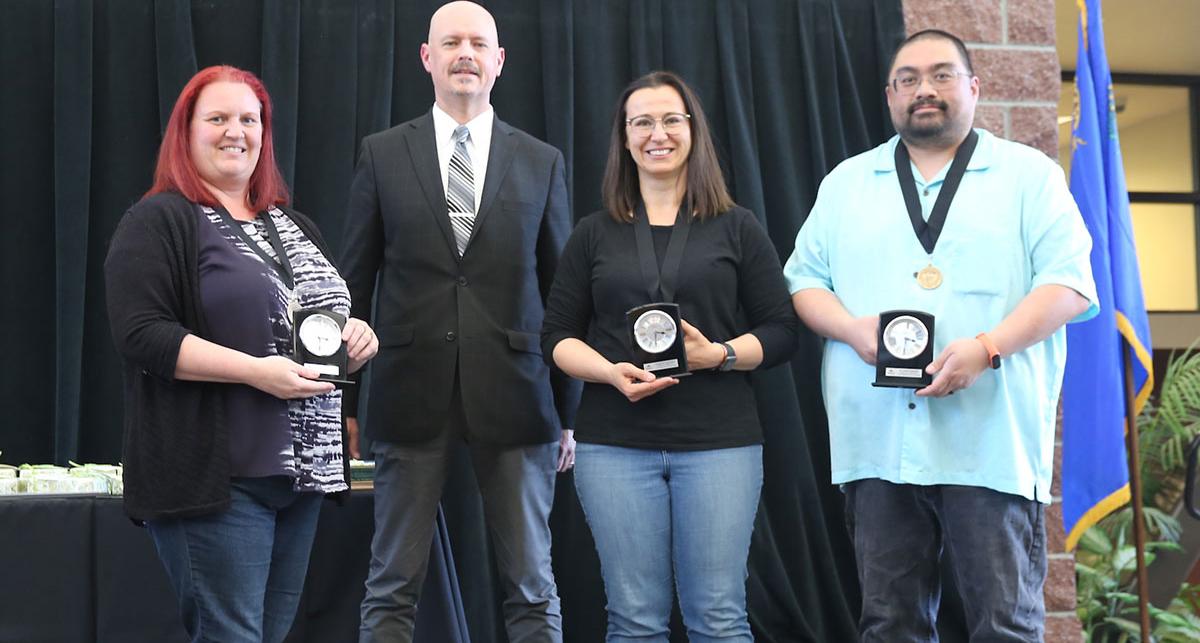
(517, 487)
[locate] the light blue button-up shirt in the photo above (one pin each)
(1013, 226)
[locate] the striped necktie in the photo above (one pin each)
(460, 190)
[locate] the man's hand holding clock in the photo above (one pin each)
(862, 336)
(957, 367)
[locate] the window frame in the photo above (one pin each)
(1192, 83)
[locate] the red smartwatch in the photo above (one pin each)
(993, 352)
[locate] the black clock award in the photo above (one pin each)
(905, 349)
(656, 338)
(317, 336)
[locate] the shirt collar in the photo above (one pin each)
(480, 126)
(885, 155)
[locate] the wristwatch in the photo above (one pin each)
(730, 358)
(993, 352)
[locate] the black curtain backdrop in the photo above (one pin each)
(791, 87)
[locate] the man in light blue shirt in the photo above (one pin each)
(963, 464)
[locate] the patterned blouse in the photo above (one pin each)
(245, 301)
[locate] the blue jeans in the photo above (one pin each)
(672, 520)
(238, 574)
(996, 542)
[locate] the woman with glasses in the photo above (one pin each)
(669, 469)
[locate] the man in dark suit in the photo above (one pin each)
(460, 219)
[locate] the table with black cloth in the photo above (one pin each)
(75, 569)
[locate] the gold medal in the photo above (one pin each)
(929, 277)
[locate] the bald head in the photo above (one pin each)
(464, 58)
(462, 12)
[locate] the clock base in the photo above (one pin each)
(915, 384)
(337, 383)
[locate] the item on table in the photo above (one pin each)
(362, 474)
(52, 479)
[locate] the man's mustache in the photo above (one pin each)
(927, 103)
(464, 66)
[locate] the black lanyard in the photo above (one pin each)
(280, 262)
(928, 233)
(661, 284)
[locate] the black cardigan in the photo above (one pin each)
(176, 445)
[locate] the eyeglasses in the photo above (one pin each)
(672, 123)
(907, 83)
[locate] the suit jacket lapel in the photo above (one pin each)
(499, 159)
(422, 149)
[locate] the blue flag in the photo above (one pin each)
(1095, 472)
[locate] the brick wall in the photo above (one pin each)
(1012, 48)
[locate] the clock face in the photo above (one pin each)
(905, 337)
(654, 331)
(320, 335)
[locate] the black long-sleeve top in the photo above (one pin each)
(730, 283)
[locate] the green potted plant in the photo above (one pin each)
(1107, 603)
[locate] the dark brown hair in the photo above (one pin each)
(706, 194)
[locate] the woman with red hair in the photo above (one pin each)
(229, 443)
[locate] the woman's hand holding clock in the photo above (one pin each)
(702, 353)
(635, 383)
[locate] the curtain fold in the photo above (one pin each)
(557, 27)
(72, 167)
(280, 72)
(375, 66)
(735, 70)
(174, 51)
(791, 87)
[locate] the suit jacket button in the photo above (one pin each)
(450, 336)
(462, 281)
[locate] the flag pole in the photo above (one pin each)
(1135, 488)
